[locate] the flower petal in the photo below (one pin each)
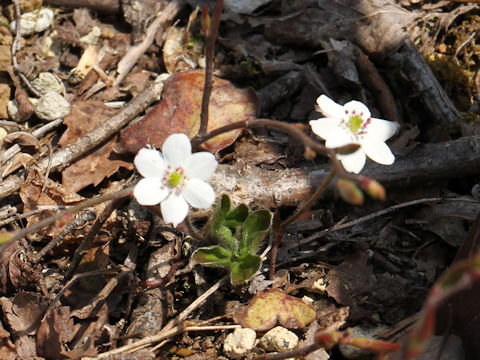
(357, 107)
(353, 162)
(377, 150)
(201, 165)
(199, 194)
(330, 108)
(174, 209)
(177, 149)
(382, 129)
(150, 163)
(324, 126)
(339, 137)
(149, 191)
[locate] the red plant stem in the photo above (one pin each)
(210, 49)
(287, 128)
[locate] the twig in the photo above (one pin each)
(308, 204)
(71, 210)
(159, 337)
(80, 220)
(210, 50)
(137, 50)
(300, 210)
(194, 305)
(87, 241)
(302, 352)
(16, 45)
(96, 136)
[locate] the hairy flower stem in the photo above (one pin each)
(210, 48)
(308, 204)
(278, 230)
(289, 129)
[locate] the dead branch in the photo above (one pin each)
(426, 163)
(66, 156)
(104, 6)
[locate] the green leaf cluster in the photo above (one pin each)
(238, 234)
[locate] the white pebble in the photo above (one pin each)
(244, 6)
(46, 82)
(279, 339)
(52, 106)
(238, 343)
(33, 22)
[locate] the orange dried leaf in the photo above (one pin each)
(272, 307)
(180, 108)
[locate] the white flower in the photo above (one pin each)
(352, 124)
(175, 178)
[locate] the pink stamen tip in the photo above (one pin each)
(353, 112)
(346, 112)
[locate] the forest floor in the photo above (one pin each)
(109, 279)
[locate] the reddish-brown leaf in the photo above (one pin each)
(180, 108)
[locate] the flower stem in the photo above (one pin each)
(304, 207)
(210, 48)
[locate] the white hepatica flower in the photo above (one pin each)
(352, 124)
(175, 178)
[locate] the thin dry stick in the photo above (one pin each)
(96, 136)
(194, 305)
(80, 220)
(365, 218)
(87, 242)
(71, 210)
(159, 337)
(136, 51)
(300, 210)
(308, 204)
(210, 50)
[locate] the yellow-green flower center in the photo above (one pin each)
(355, 123)
(175, 179)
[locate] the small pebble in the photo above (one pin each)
(238, 343)
(279, 339)
(52, 106)
(46, 82)
(244, 6)
(33, 22)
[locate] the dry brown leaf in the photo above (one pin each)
(180, 108)
(24, 312)
(351, 278)
(56, 329)
(95, 167)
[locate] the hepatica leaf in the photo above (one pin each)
(256, 227)
(244, 268)
(214, 255)
(179, 112)
(272, 307)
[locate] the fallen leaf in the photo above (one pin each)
(180, 108)
(352, 278)
(97, 166)
(24, 312)
(56, 329)
(272, 307)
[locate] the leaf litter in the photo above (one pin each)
(373, 273)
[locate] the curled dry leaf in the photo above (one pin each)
(22, 138)
(272, 307)
(180, 108)
(24, 312)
